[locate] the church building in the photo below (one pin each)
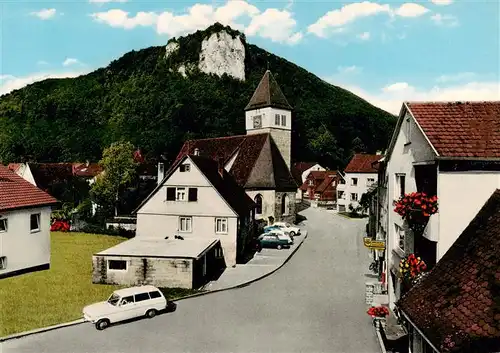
(259, 161)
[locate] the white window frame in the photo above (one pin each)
(277, 119)
(311, 182)
(370, 181)
(38, 218)
(115, 269)
(400, 236)
(354, 198)
(187, 168)
(5, 227)
(189, 221)
(283, 120)
(400, 191)
(408, 129)
(221, 225)
(3, 262)
(354, 181)
(180, 194)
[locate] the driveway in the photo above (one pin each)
(315, 303)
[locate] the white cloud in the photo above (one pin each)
(349, 13)
(349, 69)
(106, 1)
(461, 76)
(45, 14)
(71, 61)
(275, 24)
(9, 83)
(411, 10)
(442, 2)
(364, 36)
(391, 98)
(444, 20)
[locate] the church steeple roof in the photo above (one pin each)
(268, 94)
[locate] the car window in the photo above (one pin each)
(127, 300)
(141, 297)
(114, 299)
(288, 225)
(155, 294)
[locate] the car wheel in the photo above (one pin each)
(151, 313)
(102, 324)
(279, 247)
(292, 233)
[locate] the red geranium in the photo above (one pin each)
(378, 311)
(60, 226)
(416, 202)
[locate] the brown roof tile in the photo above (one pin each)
(327, 182)
(86, 170)
(460, 129)
(268, 94)
(471, 262)
(15, 192)
(300, 167)
(362, 163)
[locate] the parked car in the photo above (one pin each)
(288, 227)
(271, 240)
(281, 234)
(128, 303)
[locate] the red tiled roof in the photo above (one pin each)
(300, 167)
(327, 182)
(15, 192)
(46, 174)
(258, 162)
(459, 300)
(460, 129)
(14, 166)
(362, 163)
(84, 170)
(317, 174)
(268, 94)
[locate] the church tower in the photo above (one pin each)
(269, 111)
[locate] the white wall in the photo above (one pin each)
(359, 189)
(460, 197)
(24, 172)
(306, 173)
(268, 202)
(401, 161)
(23, 248)
(267, 116)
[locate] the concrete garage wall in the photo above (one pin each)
(160, 272)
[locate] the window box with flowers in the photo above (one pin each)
(411, 271)
(416, 208)
(378, 314)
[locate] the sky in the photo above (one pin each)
(386, 52)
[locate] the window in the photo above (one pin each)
(400, 235)
(193, 194)
(3, 225)
(35, 222)
(340, 194)
(141, 297)
(354, 181)
(408, 130)
(120, 265)
(185, 224)
(127, 300)
(221, 225)
(311, 183)
(180, 194)
(341, 181)
(370, 181)
(354, 196)
(285, 204)
(3, 262)
(258, 201)
(276, 119)
(154, 295)
(400, 185)
(170, 194)
(185, 168)
(283, 120)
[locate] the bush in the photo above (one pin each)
(97, 229)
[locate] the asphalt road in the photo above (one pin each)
(315, 303)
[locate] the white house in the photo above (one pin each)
(259, 161)
(446, 149)
(300, 171)
(359, 176)
(24, 225)
(197, 213)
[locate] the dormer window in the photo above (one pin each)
(185, 168)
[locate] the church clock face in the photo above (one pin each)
(257, 122)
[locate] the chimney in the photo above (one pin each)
(220, 165)
(161, 172)
(196, 152)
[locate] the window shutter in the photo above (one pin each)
(193, 194)
(170, 194)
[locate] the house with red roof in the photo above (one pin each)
(455, 307)
(196, 222)
(320, 187)
(259, 161)
(300, 171)
(359, 176)
(24, 225)
(446, 149)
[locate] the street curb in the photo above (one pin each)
(40, 330)
(81, 321)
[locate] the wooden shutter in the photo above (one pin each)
(170, 194)
(193, 194)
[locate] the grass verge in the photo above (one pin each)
(58, 295)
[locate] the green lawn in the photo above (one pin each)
(58, 295)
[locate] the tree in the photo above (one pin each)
(364, 202)
(324, 145)
(119, 169)
(358, 146)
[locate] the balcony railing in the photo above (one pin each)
(431, 231)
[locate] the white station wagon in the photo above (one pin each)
(126, 304)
